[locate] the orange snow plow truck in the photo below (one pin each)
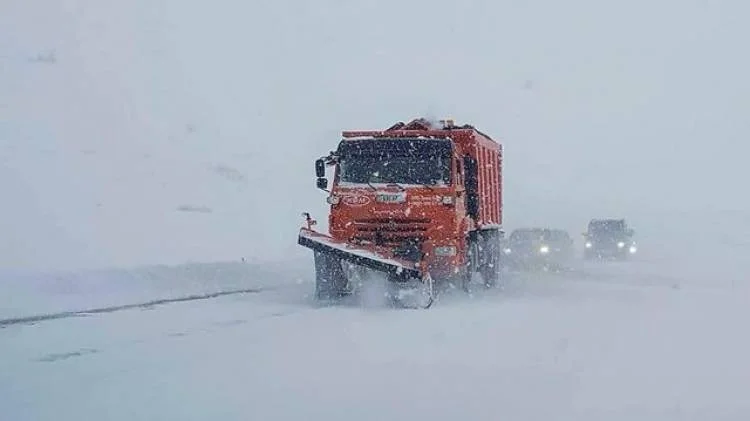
(419, 202)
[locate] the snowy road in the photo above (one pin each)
(619, 341)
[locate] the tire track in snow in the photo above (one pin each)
(111, 309)
(123, 345)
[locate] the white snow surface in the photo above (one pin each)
(28, 294)
(657, 338)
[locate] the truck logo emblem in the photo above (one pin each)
(356, 200)
(391, 197)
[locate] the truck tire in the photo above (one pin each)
(330, 279)
(473, 255)
(464, 279)
(490, 264)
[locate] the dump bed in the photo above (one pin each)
(488, 160)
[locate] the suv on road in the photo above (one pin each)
(609, 238)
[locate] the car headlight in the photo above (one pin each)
(507, 250)
(620, 244)
(588, 244)
(544, 249)
(633, 249)
(445, 251)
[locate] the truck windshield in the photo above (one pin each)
(402, 161)
(396, 169)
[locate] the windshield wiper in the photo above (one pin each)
(397, 185)
(421, 184)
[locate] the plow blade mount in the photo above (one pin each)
(371, 257)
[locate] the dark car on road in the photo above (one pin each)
(609, 238)
(539, 248)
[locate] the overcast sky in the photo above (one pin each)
(116, 115)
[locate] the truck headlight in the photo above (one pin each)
(447, 200)
(333, 200)
(620, 244)
(544, 249)
(445, 251)
(588, 244)
(633, 249)
(507, 250)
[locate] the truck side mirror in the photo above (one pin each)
(322, 183)
(320, 169)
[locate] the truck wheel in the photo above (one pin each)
(466, 273)
(490, 262)
(465, 279)
(458, 281)
(491, 276)
(330, 279)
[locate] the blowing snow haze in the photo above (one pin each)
(162, 131)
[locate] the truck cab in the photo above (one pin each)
(431, 195)
(398, 192)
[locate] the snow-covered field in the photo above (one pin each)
(658, 338)
(30, 294)
(136, 136)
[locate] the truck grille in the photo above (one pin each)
(404, 235)
(393, 228)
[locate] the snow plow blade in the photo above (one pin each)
(372, 257)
